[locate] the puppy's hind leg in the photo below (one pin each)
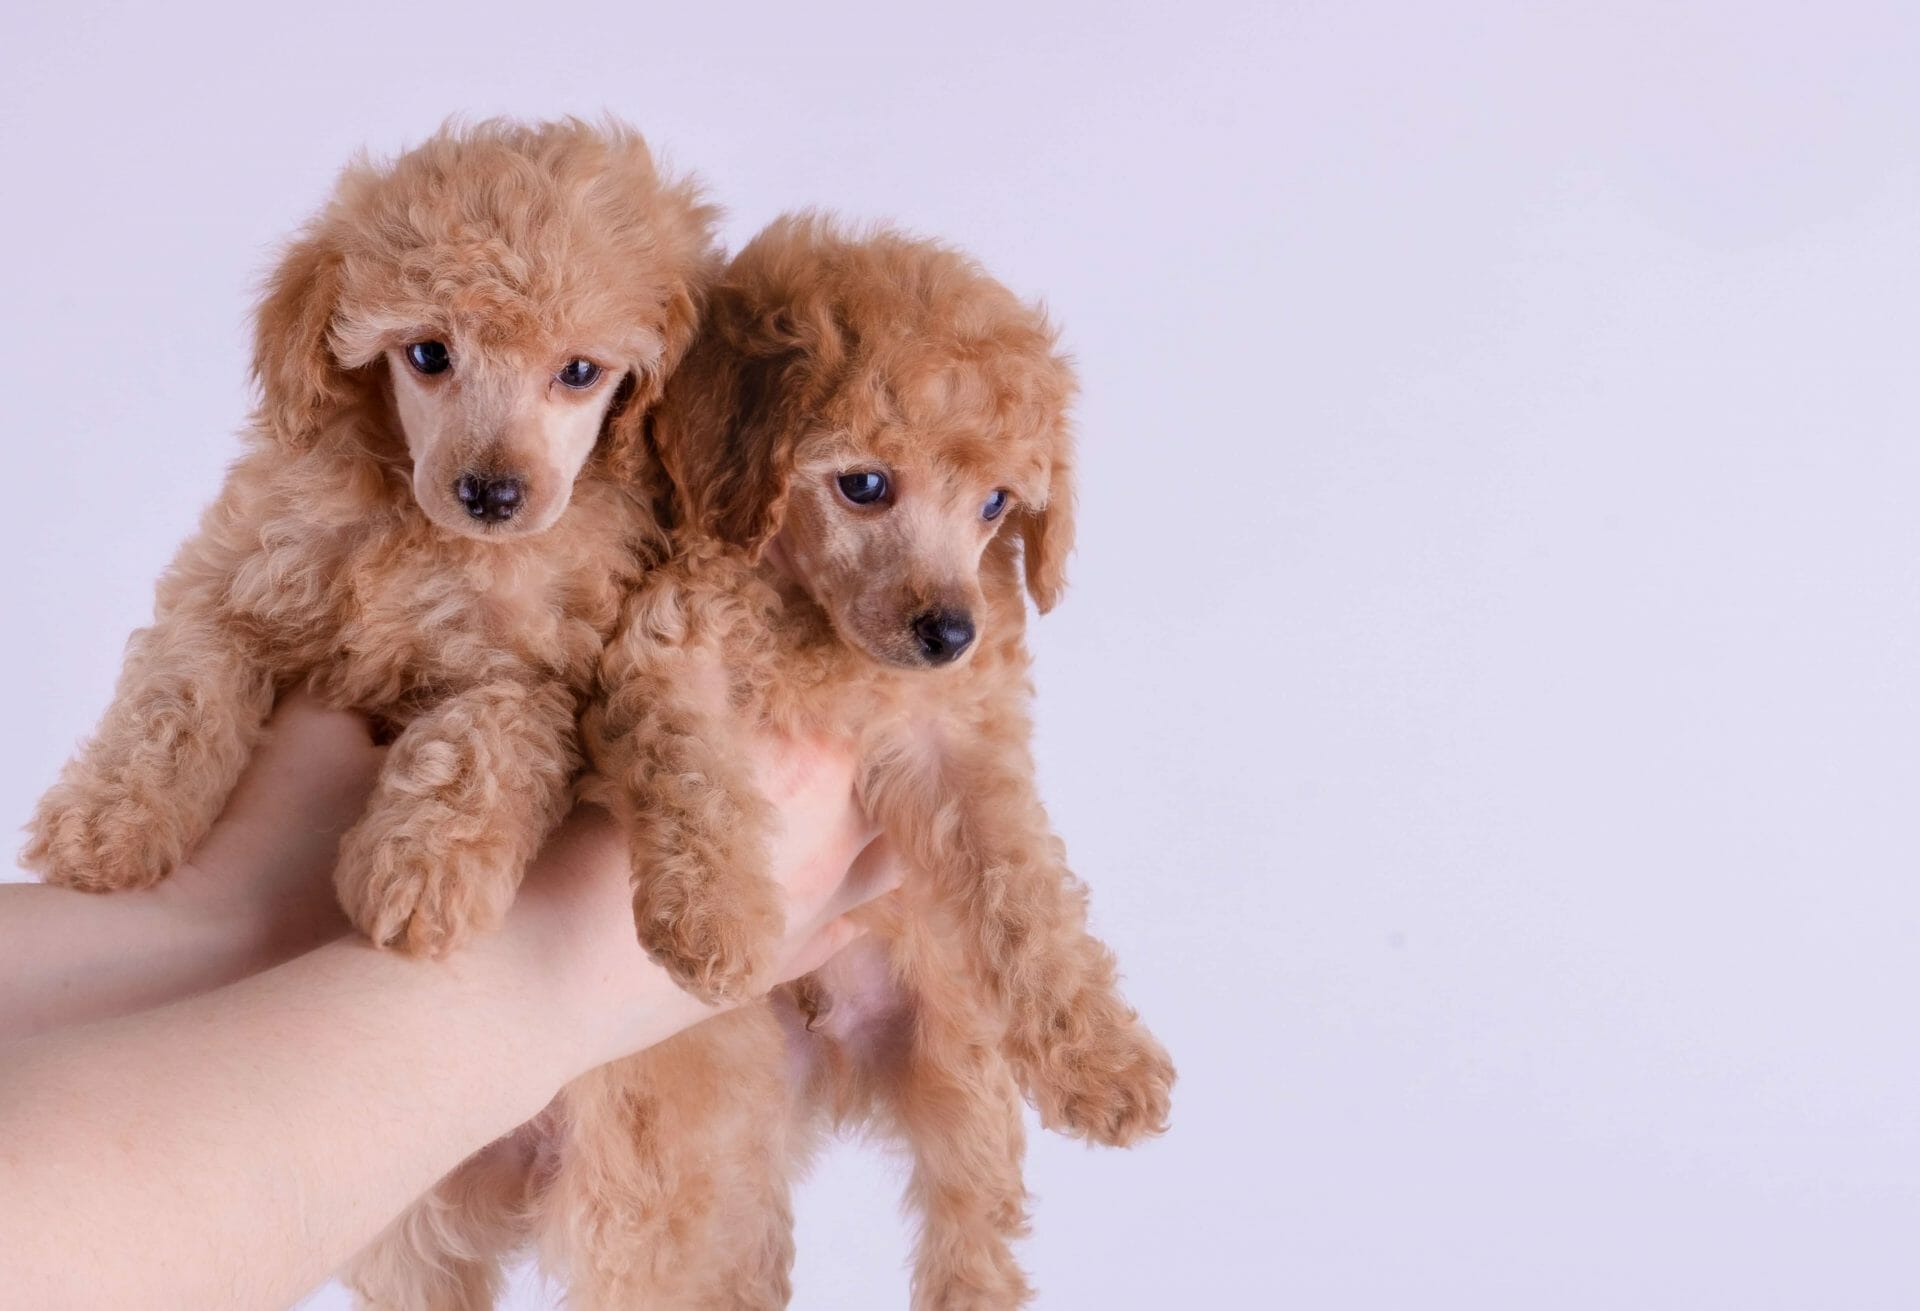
(671, 1190)
(188, 712)
(956, 1101)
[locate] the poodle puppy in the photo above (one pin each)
(865, 452)
(433, 522)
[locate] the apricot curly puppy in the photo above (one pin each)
(433, 521)
(867, 449)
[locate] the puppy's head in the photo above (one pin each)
(881, 414)
(510, 298)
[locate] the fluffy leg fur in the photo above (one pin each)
(955, 1101)
(981, 837)
(703, 904)
(468, 791)
(445, 1252)
(671, 1191)
(190, 707)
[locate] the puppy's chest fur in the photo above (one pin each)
(384, 612)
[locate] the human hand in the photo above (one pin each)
(257, 891)
(262, 875)
(253, 893)
(575, 912)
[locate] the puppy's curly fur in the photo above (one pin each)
(826, 355)
(339, 554)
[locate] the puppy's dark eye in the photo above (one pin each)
(995, 504)
(579, 373)
(429, 357)
(863, 488)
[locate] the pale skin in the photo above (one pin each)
(211, 1096)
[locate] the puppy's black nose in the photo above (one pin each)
(489, 498)
(943, 634)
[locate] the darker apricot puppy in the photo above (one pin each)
(866, 453)
(433, 521)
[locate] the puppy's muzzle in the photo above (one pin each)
(942, 635)
(493, 500)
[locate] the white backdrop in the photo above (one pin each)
(1487, 708)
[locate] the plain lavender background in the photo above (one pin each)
(1487, 709)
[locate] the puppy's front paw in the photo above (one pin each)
(76, 840)
(404, 889)
(1114, 1091)
(716, 947)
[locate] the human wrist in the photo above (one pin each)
(227, 936)
(569, 941)
(630, 1010)
(600, 1000)
(264, 899)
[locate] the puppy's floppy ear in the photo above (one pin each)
(1046, 532)
(624, 441)
(727, 441)
(300, 381)
(727, 429)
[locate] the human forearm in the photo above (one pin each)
(74, 957)
(233, 1149)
